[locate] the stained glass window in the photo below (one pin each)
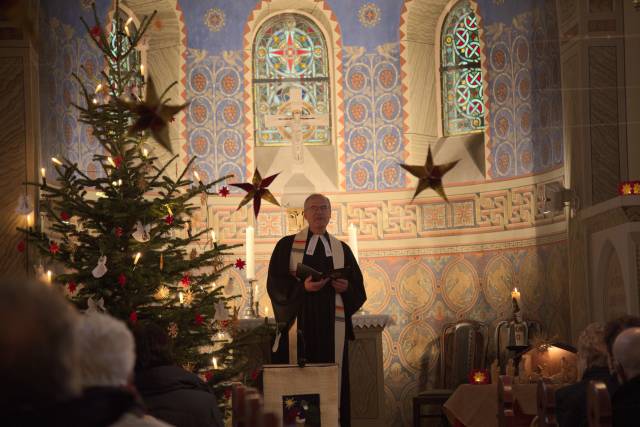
(291, 86)
(122, 28)
(463, 108)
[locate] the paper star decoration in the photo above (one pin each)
(240, 264)
(430, 175)
(257, 191)
(154, 115)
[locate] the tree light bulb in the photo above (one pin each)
(100, 194)
(215, 363)
(111, 162)
(119, 182)
(142, 69)
(145, 152)
(196, 175)
(95, 101)
(136, 258)
(169, 210)
(213, 236)
(56, 161)
(181, 297)
(99, 87)
(43, 172)
(49, 277)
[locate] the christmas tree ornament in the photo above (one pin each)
(188, 297)
(224, 191)
(118, 231)
(142, 233)
(153, 115)
(21, 246)
(100, 269)
(169, 219)
(172, 330)
(199, 319)
(118, 162)
(122, 280)
(185, 281)
(94, 306)
(54, 248)
(429, 175)
(24, 205)
(64, 216)
(256, 191)
(71, 286)
(133, 317)
(162, 293)
(240, 264)
(221, 312)
(39, 270)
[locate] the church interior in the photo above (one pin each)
(477, 154)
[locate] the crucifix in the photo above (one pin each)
(291, 115)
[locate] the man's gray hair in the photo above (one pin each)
(38, 356)
(314, 196)
(626, 351)
(107, 350)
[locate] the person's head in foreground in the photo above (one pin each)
(592, 349)
(613, 328)
(626, 354)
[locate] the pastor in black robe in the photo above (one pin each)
(315, 310)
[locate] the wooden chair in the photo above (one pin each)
(509, 413)
(598, 405)
(546, 404)
(246, 409)
(463, 347)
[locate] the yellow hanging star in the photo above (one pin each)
(154, 115)
(430, 175)
(162, 293)
(188, 297)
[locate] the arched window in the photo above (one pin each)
(463, 108)
(291, 85)
(124, 26)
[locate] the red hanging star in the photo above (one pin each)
(240, 264)
(54, 248)
(133, 317)
(227, 393)
(118, 161)
(72, 286)
(21, 246)
(95, 32)
(199, 319)
(257, 191)
(430, 175)
(64, 216)
(224, 191)
(169, 219)
(186, 280)
(118, 231)
(208, 376)
(122, 280)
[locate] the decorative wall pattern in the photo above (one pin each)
(373, 118)
(214, 117)
(525, 101)
(62, 134)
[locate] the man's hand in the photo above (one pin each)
(312, 286)
(340, 285)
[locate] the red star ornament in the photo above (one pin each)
(257, 191)
(21, 246)
(133, 317)
(240, 264)
(199, 319)
(118, 231)
(64, 216)
(72, 286)
(153, 115)
(169, 219)
(122, 280)
(208, 376)
(118, 161)
(186, 280)
(430, 175)
(224, 191)
(54, 248)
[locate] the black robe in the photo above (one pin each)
(315, 310)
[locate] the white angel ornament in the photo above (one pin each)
(221, 311)
(24, 205)
(100, 269)
(95, 306)
(142, 232)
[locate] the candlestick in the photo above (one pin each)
(249, 312)
(251, 261)
(353, 240)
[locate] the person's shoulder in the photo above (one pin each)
(133, 420)
(286, 241)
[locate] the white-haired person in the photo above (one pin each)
(625, 403)
(571, 401)
(106, 362)
(38, 356)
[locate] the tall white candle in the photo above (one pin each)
(353, 240)
(251, 256)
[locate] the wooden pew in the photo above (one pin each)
(598, 405)
(506, 401)
(546, 403)
(246, 409)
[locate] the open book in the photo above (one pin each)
(304, 271)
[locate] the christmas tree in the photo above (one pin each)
(124, 238)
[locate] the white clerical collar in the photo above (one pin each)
(314, 241)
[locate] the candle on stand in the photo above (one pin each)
(353, 240)
(251, 260)
(515, 294)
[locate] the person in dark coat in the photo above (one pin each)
(171, 393)
(571, 401)
(625, 403)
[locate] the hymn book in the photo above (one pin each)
(303, 271)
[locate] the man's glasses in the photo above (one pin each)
(314, 209)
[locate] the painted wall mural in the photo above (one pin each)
(421, 288)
